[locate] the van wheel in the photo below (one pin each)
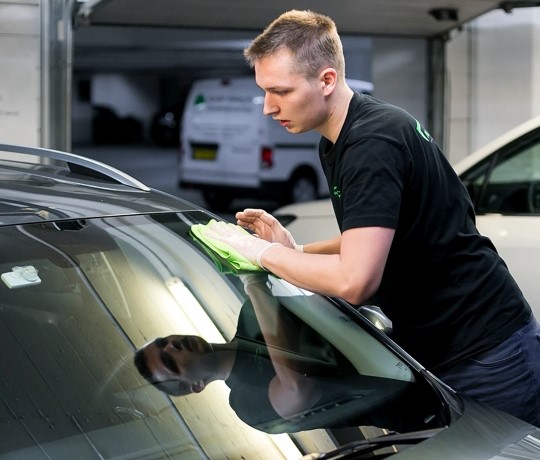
(302, 187)
(217, 201)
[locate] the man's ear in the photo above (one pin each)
(328, 78)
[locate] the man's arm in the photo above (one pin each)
(354, 274)
(290, 392)
(349, 266)
(323, 247)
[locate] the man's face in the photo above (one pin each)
(296, 102)
(176, 359)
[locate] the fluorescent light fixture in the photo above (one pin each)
(192, 310)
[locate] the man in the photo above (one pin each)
(408, 237)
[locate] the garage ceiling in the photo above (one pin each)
(366, 17)
(198, 37)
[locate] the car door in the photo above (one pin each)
(505, 188)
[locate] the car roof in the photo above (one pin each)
(39, 185)
(470, 160)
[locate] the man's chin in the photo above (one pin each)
(198, 387)
(294, 130)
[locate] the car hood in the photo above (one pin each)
(480, 433)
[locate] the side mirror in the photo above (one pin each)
(376, 317)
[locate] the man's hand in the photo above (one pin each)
(249, 246)
(267, 227)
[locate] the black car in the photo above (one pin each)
(110, 128)
(165, 125)
(94, 266)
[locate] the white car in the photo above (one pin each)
(503, 179)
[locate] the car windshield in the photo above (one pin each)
(78, 298)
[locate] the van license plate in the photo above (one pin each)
(204, 153)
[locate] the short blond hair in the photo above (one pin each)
(311, 37)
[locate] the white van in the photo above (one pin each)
(229, 149)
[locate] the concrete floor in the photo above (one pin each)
(156, 167)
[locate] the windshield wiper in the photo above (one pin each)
(352, 449)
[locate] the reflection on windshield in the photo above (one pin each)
(111, 286)
(283, 376)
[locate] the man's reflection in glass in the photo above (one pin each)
(276, 366)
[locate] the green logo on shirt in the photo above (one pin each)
(423, 132)
(258, 359)
(336, 191)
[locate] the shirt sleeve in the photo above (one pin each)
(373, 179)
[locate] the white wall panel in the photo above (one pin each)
(493, 66)
(400, 74)
(20, 72)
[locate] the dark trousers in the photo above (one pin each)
(507, 376)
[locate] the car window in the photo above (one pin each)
(508, 182)
(79, 297)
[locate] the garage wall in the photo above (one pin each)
(20, 77)
(35, 72)
(493, 68)
(400, 69)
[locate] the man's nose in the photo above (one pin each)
(269, 107)
(169, 347)
(173, 345)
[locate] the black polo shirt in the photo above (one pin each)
(445, 288)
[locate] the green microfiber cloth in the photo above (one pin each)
(228, 259)
(221, 264)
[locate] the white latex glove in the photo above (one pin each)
(249, 246)
(267, 227)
